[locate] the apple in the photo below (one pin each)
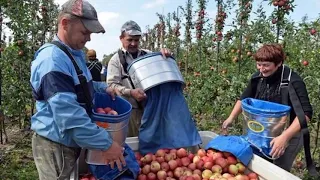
(168, 157)
(313, 31)
(192, 166)
(252, 175)
(233, 169)
(142, 177)
(147, 158)
(182, 153)
(178, 172)
(206, 174)
(173, 164)
(137, 155)
(146, 169)
(160, 159)
(190, 156)
(161, 175)
(185, 161)
(197, 171)
(113, 112)
(155, 166)
(107, 109)
(170, 174)
(208, 165)
(216, 169)
(152, 176)
(222, 162)
(201, 153)
(160, 153)
(196, 159)
(241, 167)
(232, 160)
(165, 166)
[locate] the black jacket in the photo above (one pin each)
(269, 90)
(95, 68)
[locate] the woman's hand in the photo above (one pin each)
(279, 145)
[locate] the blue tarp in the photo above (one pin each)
(167, 122)
(236, 145)
(130, 171)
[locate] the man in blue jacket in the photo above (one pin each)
(61, 124)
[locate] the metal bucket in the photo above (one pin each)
(261, 125)
(152, 69)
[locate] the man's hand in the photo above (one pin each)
(113, 92)
(138, 94)
(166, 52)
(114, 155)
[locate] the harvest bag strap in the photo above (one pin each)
(286, 87)
(81, 77)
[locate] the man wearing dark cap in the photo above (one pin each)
(63, 89)
(117, 71)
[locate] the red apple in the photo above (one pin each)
(161, 175)
(160, 153)
(185, 161)
(146, 169)
(222, 162)
(152, 176)
(232, 160)
(142, 177)
(252, 175)
(165, 166)
(192, 166)
(182, 153)
(107, 109)
(173, 164)
(201, 153)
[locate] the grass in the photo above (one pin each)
(16, 160)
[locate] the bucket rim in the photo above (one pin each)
(147, 56)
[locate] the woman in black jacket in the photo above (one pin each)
(265, 85)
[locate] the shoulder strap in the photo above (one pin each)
(304, 129)
(65, 50)
(123, 60)
(284, 84)
(81, 77)
(288, 92)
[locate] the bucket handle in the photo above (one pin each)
(260, 150)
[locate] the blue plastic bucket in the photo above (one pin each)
(263, 121)
(117, 125)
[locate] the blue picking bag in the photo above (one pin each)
(129, 172)
(263, 121)
(166, 122)
(237, 145)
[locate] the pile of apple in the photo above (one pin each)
(107, 110)
(179, 164)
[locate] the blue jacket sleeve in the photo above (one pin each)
(99, 86)
(72, 118)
